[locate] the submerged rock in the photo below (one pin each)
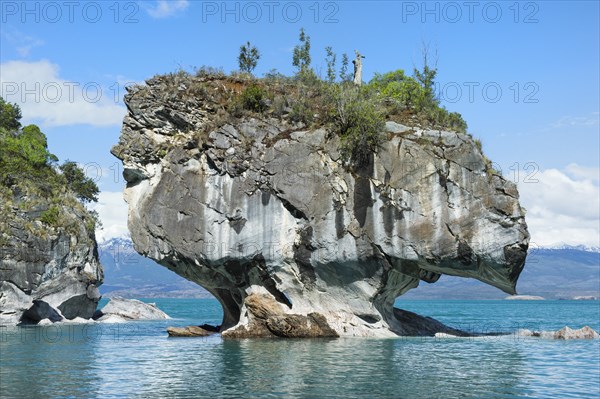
(564, 333)
(129, 309)
(583, 333)
(265, 216)
(189, 331)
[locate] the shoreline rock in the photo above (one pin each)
(189, 331)
(585, 298)
(129, 309)
(268, 318)
(565, 333)
(524, 298)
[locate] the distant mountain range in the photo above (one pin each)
(585, 248)
(128, 274)
(554, 273)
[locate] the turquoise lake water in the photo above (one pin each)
(137, 360)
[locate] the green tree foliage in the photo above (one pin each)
(344, 76)
(34, 146)
(248, 57)
(396, 86)
(301, 56)
(24, 154)
(25, 159)
(417, 96)
(426, 79)
(330, 59)
(84, 188)
(10, 116)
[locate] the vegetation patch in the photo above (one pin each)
(355, 113)
(31, 177)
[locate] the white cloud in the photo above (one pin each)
(167, 8)
(563, 207)
(112, 210)
(572, 121)
(583, 173)
(22, 42)
(50, 100)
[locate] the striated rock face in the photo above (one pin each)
(265, 209)
(47, 273)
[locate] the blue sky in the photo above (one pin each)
(542, 56)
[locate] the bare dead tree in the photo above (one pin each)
(358, 68)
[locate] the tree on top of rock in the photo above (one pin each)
(84, 188)
(10, 116)
(301, 58)
(248, 58)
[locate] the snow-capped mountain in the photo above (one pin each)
(585, 248)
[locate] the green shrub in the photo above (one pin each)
(359, 123)
(93, 222)
(208, 71)
(406, 93)
(24, 156)
(404, 90)
(253, 98)
(51, 216)
(302, 112)
(279, 106)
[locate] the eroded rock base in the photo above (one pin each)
(263, 316)
(267, 318)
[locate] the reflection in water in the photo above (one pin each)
(40, 362)
(138, 360)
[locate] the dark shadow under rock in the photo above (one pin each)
(413, 325)
(39, 311)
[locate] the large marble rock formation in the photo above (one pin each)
(265, 207)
